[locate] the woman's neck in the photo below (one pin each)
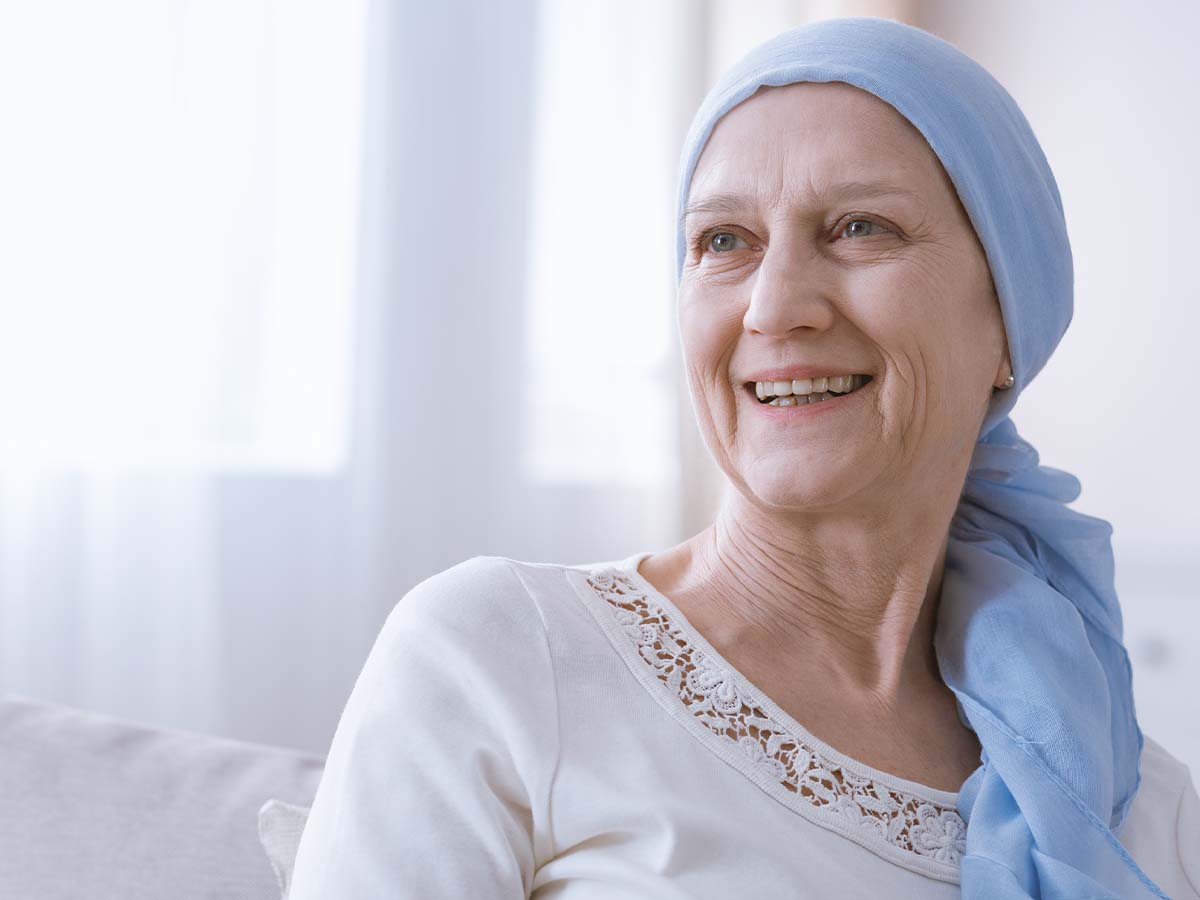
(856, 601)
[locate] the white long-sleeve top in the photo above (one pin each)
(550, 731)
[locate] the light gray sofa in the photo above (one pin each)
(93, 807)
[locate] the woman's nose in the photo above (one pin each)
(789, 292)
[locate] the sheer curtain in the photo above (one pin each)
(268, 342)
(180, 224)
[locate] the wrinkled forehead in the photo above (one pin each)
(830, 115)
(812, 141)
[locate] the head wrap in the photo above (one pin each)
(1029, 630)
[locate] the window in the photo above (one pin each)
(179, 224)
(602, 385)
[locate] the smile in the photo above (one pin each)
(806, 391)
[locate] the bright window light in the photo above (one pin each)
(179, 222)
(600, 328)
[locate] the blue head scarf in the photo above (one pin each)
(1029, 631)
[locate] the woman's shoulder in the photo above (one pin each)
(474, 596)
(1164, 776)
(465, 583)
(486, 594)
(1162, 830)
(482, 579)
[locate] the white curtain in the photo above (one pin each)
(275, 344)
(176, 309)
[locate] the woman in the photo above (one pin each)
(893, 664)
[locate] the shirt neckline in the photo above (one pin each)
(913, 825)
(629, 566)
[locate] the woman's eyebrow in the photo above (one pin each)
(733, 203)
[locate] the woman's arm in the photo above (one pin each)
(438, 777)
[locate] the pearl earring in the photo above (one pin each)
(1008, 382)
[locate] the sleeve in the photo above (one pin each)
(437, 780)
(1187, 834)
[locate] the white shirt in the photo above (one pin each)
(550, 731)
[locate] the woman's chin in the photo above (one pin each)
(784, 489)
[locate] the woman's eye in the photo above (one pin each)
(862, 231)
(720, 241)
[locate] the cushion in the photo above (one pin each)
(97, 807)
(280, 825)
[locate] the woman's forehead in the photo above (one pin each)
(815, 140)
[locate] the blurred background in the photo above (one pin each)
(303, 302)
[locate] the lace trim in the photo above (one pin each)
(728, 708)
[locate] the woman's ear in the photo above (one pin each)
(1004, 373)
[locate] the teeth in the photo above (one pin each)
(801, 399)
(812, 388)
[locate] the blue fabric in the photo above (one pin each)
(1029, 632)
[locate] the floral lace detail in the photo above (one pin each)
(728, 709)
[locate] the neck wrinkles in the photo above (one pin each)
(858, 597)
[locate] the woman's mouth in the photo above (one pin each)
(806, 391)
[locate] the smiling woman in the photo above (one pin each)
(893, 664)
(795, 292)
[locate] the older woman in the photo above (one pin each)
(893, 664)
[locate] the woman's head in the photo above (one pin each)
(970, 126)
(822, 233)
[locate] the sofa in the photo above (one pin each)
(98, 808)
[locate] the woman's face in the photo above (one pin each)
(825, 238)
